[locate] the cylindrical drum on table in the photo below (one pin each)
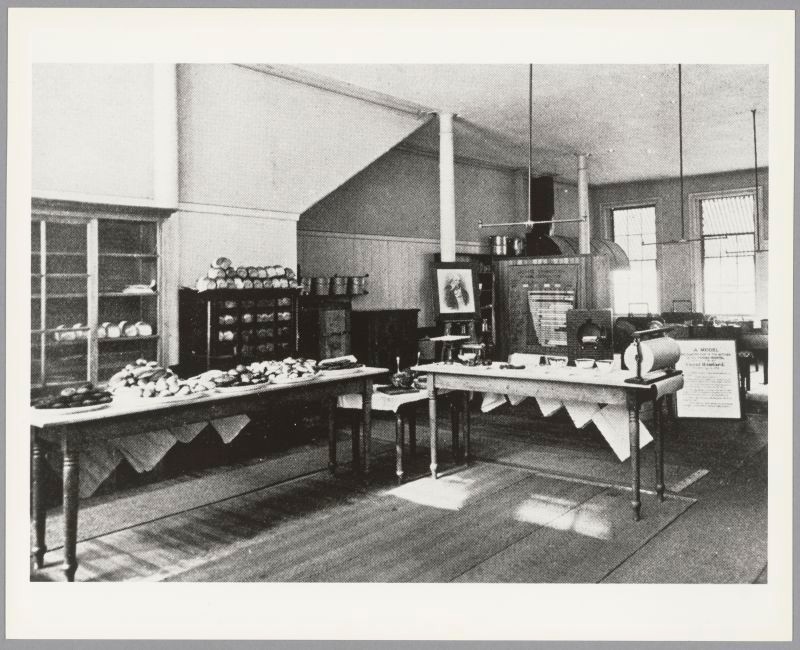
(657, 354)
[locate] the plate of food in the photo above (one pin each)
(173, 399)
(75, 400)
(66, 410)
(288, 379)
(239, 389)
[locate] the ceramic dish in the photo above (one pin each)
(144, 401)
(76, 409)
(243, 389)
(296, 380)
(584, 364)
(604, 365)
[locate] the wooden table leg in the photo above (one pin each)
(432, 422)
(399, 434)
(37, 502)
(332, 435)
(454, 413)
(366, 424)
(658, 433)
(71, 465)
(411, 416)
(633, 433)
(467, 427)
(355, 442)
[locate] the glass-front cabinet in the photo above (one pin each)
(95, 292)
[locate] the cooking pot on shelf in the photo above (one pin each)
(498, 244)
(357, 284)
(516, 246)
(320, 286)
(338, 286)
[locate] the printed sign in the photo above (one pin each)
(711, 380)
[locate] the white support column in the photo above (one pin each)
(165, 133)
(585, 226)
(447, 189)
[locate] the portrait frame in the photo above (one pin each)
(449, 307)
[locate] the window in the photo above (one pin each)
(94, 297)
(728, 243)
(636, 289)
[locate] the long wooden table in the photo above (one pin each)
(564, 384)
(72, 431)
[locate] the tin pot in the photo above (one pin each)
(498, 245)
(516, 246)
(357, 285)
(338, 286)
(320, 286)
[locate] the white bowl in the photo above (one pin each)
(604, 365)
(584, 364)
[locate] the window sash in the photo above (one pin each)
(634, 229)
(728, 254)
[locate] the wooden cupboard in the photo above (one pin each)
(379, 336)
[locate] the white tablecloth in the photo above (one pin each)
(143, 451)
(382, 401)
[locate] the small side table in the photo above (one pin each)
(403, 406)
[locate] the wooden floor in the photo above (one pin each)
(515, 515)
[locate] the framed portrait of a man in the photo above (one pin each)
(456, 290)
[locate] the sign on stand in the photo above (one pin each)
(711, 379)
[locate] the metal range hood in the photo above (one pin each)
(540, 243)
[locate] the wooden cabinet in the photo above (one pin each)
(324, 326)
(95, 291)
(485, 324)
(225, 327)
(378, 337)
(570, 282)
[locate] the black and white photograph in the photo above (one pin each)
(469, 324)
(456, 291)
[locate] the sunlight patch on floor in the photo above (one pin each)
(562, 514)
(447, 492)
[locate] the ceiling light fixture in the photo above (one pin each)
(529, 223)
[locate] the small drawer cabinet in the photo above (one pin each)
(226, 327)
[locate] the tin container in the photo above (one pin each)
(320, 286)
(338, 286)
(357, 285)
(516, 246)
(498, 245)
